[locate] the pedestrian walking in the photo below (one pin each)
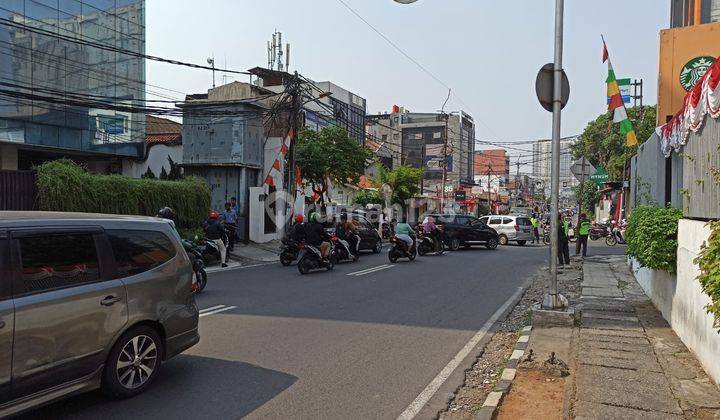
(536, 228)
(583, 233)
(563, 247)
(230, 219)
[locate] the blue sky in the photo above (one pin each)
(488, 51)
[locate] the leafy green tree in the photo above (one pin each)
(603, 145)
(404, 181)
(590, 196)
(365, 197)
(330, 154)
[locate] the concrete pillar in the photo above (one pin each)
(8, 157)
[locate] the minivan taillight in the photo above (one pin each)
(517, 228)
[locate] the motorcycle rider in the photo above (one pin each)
(583, 232)
(405, 233)
(316, 236)
(347, 231)
(433, 232)
(215, 231)
(297, 231)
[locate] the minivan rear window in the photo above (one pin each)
(55, 261)
(137, 251)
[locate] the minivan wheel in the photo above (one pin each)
(503, 240)
(133, 363)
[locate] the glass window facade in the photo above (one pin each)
(33, 60)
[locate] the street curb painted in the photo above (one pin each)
(493, 400)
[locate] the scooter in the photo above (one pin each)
(209, 251)
(341, 250)
(289, 251)
(400, 250)
(598, 231)
(426, 245)
(387, 231)
(311, 259)
(198, 265)
(617, 237)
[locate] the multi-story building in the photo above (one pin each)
(494, 163)
(419, 140)
(59, 69)
(542, 165)
(682, 12)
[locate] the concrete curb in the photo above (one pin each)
(493, 400)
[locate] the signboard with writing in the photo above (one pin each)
(624, 85)
(599, 177)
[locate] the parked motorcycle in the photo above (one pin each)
(198, 265)
(289, 251)
(599, 230)
(617, 236)
(426, 245)
(311, 259)
(400, 249)
(341, 250)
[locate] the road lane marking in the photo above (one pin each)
(370, 270)
(223, 309)
(211, 308)
(414, 408)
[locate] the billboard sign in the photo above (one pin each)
(624, 85)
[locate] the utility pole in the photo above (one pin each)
(582, 185)
(445, 153)
(489, 166)
(552, 299)
(295, 110)
(517, 182)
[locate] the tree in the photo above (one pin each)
(404, 181)
(330, 154)
(365, 197)
(590, 196)
(149, 174)
(175, 170)
(603, 145)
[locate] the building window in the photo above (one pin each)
(384, 137)
(418, 136)
(437, 135)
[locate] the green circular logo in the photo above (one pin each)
(694, 70)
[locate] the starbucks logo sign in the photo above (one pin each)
(694, 70)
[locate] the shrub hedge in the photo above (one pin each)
(652, 236)
(709, 263)
(65, 186)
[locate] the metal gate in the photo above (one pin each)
(18, 190)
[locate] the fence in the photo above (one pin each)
(701, 172)
(18, 190)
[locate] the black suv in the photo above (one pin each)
(464, 230)
(370, 239)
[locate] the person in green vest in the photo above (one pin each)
(583, 232)
(536, 228)
(562, 243)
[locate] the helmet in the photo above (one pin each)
(299, 218)
(313, 217)
(166, 213)
(213, 214)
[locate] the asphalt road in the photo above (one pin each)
(337, 345)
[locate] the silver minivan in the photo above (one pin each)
(89, 301)
(510, 228)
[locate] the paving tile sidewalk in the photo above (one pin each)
(629, 362)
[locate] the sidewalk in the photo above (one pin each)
(254, 253)
(624, 359)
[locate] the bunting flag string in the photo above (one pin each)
(274, 176)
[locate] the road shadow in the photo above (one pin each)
(188, 387)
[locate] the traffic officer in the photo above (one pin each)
(583, 232)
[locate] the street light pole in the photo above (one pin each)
(552, 299)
